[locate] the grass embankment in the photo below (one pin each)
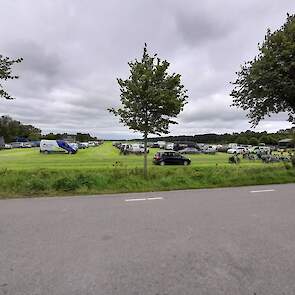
(104, 170)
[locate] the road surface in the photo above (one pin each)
(218, 241)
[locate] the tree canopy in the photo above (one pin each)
(266, 85)
(6, 73)
(11, 129)
(150, 97)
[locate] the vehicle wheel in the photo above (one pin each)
(46, 152)
(162, 163)
(185, 163)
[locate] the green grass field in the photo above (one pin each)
(26, 172)
(102, 157)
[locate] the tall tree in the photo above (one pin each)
(151, 98)
(11, 129)
(266, 85)
(6, 73)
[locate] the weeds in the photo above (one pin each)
(40, 182)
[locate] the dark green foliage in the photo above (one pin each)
(5, 73)
(228, 138)
(10, 129)
(253, 141)
(266, 84)
(242, 140)
(267, 139)
(150, 97)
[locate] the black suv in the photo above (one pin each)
(170, 158)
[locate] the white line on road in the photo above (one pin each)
(134, 200)
(263, 191)
(144, 199)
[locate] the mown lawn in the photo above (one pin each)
(102, 157)
(26, 172)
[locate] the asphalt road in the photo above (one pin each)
(221, 241)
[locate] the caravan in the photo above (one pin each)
(56, 146)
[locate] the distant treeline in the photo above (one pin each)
(247, 137)
(13, 130)
(81, 137)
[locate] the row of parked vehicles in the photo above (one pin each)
(130, 148)
(52, 146)
(57, 146)
(182, 148)
(244, 149)
(16, 145)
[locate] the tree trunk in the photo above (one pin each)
(145, 156)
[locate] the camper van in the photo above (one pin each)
(56, 146)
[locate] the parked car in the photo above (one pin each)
(7, 146)
(55, 146)
(81, 145)
(223, 148)
(170, 158)
(16, 145)
(161, 144)
(237, 150)
(190, 150)
(35, 143)
(155, 145)
(209, 149)
(27, 145)
(232, 145)
(85, 144)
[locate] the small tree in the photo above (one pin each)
(150, 98)
(5, 73)
(266, 85)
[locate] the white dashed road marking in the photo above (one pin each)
(144, 199)
(135, 200)
(263, 191)
(155, 198)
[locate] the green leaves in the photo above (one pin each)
(150, 97)
(266, 85)
(5, 73)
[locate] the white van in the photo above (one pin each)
(56, 146)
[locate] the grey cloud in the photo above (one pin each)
(74, 51)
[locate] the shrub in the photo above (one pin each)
(66, 184)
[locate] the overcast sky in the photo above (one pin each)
(74, 50)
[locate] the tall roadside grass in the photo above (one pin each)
(46, 182)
